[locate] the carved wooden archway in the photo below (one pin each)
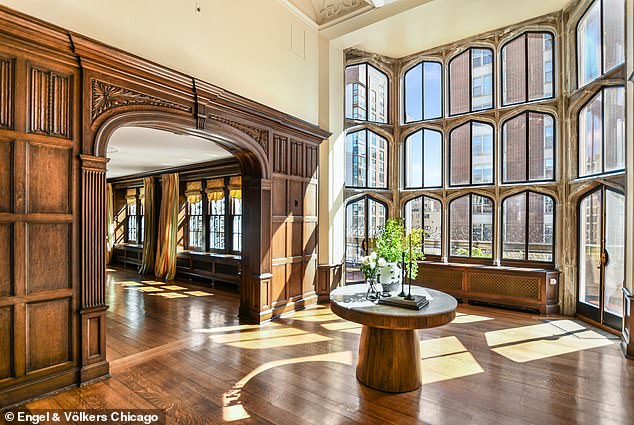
(66, 95)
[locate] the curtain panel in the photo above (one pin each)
(165, 266)
(109, 222)
(149, 227)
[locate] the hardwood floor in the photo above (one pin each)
(184, 350)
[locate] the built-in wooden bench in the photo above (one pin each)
(508, 286)
(214, 267)
(208, 265)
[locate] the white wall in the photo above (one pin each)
(331, 155)
(240, 45)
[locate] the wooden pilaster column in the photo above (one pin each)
(93, 268)
(255, 299)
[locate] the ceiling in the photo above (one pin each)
(433, 23)
(326, 12)
(135, 150)
(398, 28)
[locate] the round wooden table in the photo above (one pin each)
(389, 352)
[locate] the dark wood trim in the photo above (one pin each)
(627, 341)
(330, 277)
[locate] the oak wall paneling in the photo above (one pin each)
(39, 217)
(61, 97)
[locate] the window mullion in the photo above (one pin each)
(471, 81)
(526, 225)
(527, 142)
(526, 68)
(470, 223)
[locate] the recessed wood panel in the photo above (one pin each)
(311, 162)
(6, 173)
(6, 92)
(94, 336)
(6, 260)
(6, 342)
(310, 200)
(48, 257)
(310, 275)
(278, 241)
(48, 338)
(279, 197)
(294, 239)
(295, 197)
(310, 237)
(49, 179)
(294, 278)
(49, 102)
(296, 159)
(280, 156)
(278, 286)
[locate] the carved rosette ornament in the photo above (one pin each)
(106, 96)
(260, 135)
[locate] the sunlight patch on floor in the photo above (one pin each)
(149, 289)
(469, 318)
(174, 287)
(256, 334)
(541, 349)
(446, 358)
(198, 293)
(170, 295)
(152, 282)
(557, 337)
(128, 283)
(349, 327)
(284, 341)
(316, 318)
(452, 366)
(237, 328)
(232, 408)
(523, 333)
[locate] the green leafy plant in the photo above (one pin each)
(413, 245)
(389, 242)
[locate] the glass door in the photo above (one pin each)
(601, 256)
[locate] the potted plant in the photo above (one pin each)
(389, 245)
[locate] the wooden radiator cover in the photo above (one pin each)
(526, 288)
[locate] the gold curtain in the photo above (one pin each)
(215, 189)
(130, 196)
(149, 233)
(110, 222)
(194, 192)
(235, 187)
(165, 266)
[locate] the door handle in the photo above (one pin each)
(605, 259)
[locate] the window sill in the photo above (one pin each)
(211, 254)
(519, 267)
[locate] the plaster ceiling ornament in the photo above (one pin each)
(333, 9)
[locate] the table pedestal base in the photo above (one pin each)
(389, 359)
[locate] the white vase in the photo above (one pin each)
(391, 276)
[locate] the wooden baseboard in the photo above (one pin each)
(95, 371)
(35, 389)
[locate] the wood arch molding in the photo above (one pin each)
(56, 123)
